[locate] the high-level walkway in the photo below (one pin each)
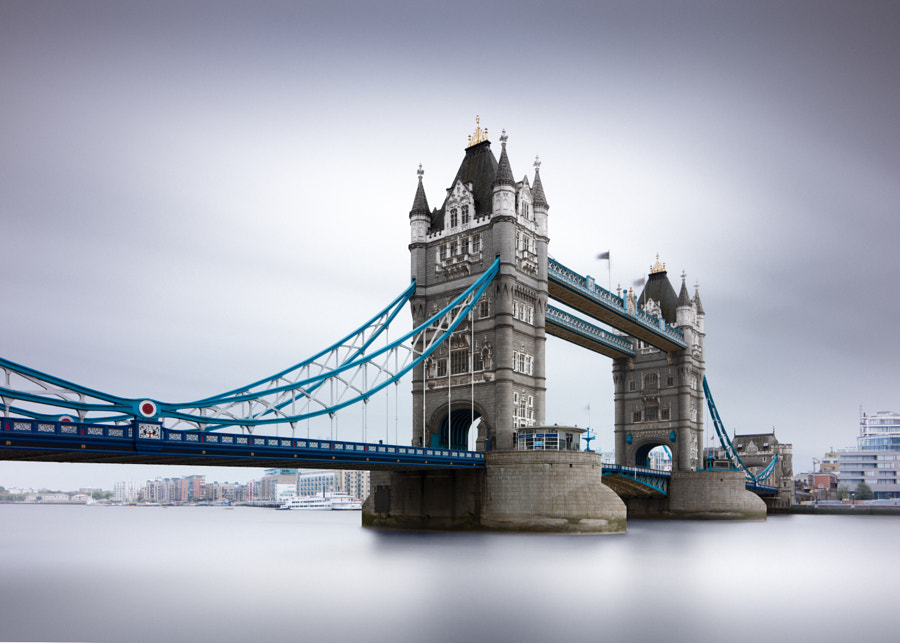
(583, 295)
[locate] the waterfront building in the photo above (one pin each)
(876, 459)
(756, 451)
(830, 462)
(230, 491)
(356, 483)
(312, 483)
(878, 469)
(879, 432)
(276, 485)
(126, 491)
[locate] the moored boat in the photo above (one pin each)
(328, 501)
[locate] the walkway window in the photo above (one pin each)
(459, 362)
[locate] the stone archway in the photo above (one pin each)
(460, 421)
(642, 453)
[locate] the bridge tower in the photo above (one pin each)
(659, 395)
(493, 366)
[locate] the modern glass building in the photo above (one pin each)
(876, 460)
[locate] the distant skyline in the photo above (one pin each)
(189, 191)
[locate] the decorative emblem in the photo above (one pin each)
(148, 408)
(149, 431)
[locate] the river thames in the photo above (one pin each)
(107, 573)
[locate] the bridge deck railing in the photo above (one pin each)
(147, 436)
(614, 302)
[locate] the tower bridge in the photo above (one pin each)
(482, 282)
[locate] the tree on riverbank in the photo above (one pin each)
(864, 492)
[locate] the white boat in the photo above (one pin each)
(328, 501)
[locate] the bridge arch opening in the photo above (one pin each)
(460, 421)
(654, 455)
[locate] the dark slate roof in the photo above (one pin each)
(540, 201)
(420, 202)
(479, 167)
(659, 288)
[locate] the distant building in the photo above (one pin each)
(879, 432)
(277, 485)
(756, 451)
(876, 460)
(830, 462)
(312, 483)
(127, 491)
(356, 483)
(878, 469)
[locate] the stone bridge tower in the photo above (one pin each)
(659, 396)
(493, 366)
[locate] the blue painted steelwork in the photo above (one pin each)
(762, 489)
(653, 330)
(143, 441)
(592, 334)
(345, 367)
(725, 441)
(656, 480)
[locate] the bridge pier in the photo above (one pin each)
(517, 491)
(701, 495)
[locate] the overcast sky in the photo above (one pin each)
(194, 195)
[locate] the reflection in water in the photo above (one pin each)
(198, 574)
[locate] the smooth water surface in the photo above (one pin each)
(94, 573)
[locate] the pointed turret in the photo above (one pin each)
(540, 201)
(698, 308)
(697, 303)
(504, 188)
(684, 299)
(504, 171)
(420, 202)
(685, 312)
(419, 216)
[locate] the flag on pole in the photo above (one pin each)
(639, 282)
(603, 255)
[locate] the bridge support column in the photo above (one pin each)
(713, 495)
(518, 491)
(438, 500)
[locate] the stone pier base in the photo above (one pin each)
(713, 495)
(549, 491)
(518, 491)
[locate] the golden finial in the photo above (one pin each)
(480, 135)
(659, 267)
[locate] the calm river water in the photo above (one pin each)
(79, 573)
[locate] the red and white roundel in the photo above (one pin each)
(147, 408)
(66, 418)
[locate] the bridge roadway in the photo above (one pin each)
(143, 442)
(582, 294)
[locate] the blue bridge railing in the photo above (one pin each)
(141, 439)
(653, 478)
(612, 303)
(589, 331)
